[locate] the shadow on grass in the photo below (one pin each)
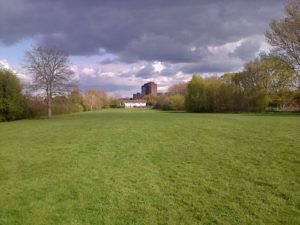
(274, 114)
(169, 111)
(283, 114)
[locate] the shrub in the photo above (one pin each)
(10, 96)
(116, 103)
(176, 102)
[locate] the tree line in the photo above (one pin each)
(266, 83)
(16, 103)
(269, 82)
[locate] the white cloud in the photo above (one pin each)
(265, 47)
(158, 66)
(225, 48)
(88, 71)
(4, 64)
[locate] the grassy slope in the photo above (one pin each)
(148, 167)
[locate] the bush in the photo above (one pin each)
(64, 104)
(10, 96)
(170, 102)
(258, 101)
(116, 103)
(34, 107)
(150, 100)
(176, 102)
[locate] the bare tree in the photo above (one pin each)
(50, 73)
(284, 34)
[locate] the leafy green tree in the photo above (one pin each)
(268, 74)
(296, 98)
(162, 102)
(258, 100)
(284, 34)
(212, 89)
(115, 103)
(10, 96)
(176, 102)
(150, 100)
(76, 97)
(252, 86)
(77, 101)
(195, 99)
(170, 102)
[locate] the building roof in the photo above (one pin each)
(134, 101)
(151, 82)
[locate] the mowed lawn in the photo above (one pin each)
(150, 167)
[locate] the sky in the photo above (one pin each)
(118, 45)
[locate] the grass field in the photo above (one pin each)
(149, 167)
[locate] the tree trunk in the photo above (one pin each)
(49, 108)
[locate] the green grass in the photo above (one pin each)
(149, 167)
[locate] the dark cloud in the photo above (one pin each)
(137, 30)
(103, 83)
(210, 67)
(107, 87)
(246, 50)
(133, 41)
(146, 72)
(169, 70)
(163, 48)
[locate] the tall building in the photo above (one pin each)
(149, 89)
(137, 96)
